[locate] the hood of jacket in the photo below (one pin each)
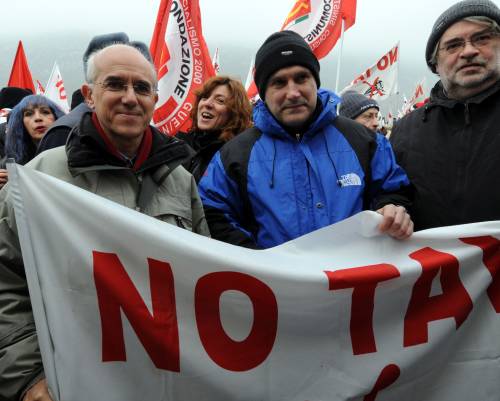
(268, 125)
(86, 150)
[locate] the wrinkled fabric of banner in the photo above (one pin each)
(340, 314)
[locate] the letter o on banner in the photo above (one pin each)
(237, 356)
(383, 63)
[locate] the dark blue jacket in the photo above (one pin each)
(265, 187)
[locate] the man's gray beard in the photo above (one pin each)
(457, 90)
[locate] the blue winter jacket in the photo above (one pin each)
(266, 187)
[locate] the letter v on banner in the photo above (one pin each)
(491, 259)
(182, 60)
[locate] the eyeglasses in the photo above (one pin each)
(478, 40)
(141, 88)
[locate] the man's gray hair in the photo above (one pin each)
(92, 71)
(485, 21)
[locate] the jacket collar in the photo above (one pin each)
(439, 98)
(86, 150)
(268, 125)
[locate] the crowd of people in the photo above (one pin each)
(257, 176)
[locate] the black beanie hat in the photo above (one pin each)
(280, 50)
(354, 103)
(100, 42)
(457, 12)
(10, 96)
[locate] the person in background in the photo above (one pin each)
(10, 96)
(221, 111)
(28, 122)
(450, 147)
(360, 108)
(302, 167)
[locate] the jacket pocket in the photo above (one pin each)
(180, 217)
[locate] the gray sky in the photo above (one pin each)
(379, 22)
(246, 23)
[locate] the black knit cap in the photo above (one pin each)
(100, 42)
(10, 96)
(457, 12)
(353, 104)
(280, 50)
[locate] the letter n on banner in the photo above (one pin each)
(454, 302)
(158, 332)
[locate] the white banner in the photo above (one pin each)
(55, 91)
(136, 309)
(381, 79)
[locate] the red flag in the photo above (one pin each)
(20, 76)
(182, 60)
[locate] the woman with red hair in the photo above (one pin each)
(220, 112)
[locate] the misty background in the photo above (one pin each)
(58, 30)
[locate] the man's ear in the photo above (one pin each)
(88, 95)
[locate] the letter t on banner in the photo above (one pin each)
(364, 281)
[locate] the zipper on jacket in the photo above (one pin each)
(467, 114)
(298, 137)
(138, 177)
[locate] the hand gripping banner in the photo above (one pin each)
(139, 309)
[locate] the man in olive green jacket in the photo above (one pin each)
(115, 153)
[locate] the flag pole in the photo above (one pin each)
(340, 56)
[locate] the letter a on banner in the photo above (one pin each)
(182, 60)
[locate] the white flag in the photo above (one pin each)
(55, 91)
(250, 87)
(381, 79)
(137, 309)
(216, 62)
(417, 97)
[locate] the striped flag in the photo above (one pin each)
(319, 22)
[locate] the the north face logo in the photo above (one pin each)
(287, 52)
(350, 179)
